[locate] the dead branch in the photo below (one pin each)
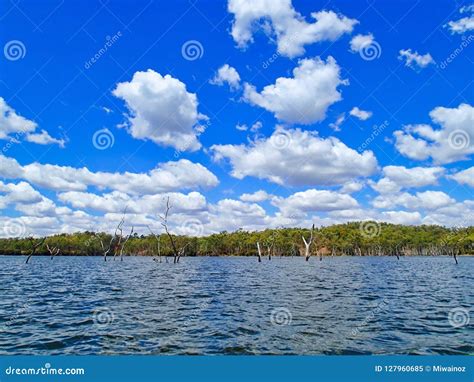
(307, 244)
(53, 251)
(164, 223)
(34, 248)
(259, 254)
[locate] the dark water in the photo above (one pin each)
(79, 305)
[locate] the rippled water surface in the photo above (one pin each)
(342, 305)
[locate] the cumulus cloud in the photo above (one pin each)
(414, 58)
(303, 98)
(401, 217)
(14, 126)
(226, 74)
(168, 176)
(297, 157)
(430, 200)
(464, 177)
(464, 24)
(43, 138)
(279, 20)
(361, 114)
(312, 200)
(352, 186)
(452, 142)
(257, 196)
(360, 41)
(398, 177)
(144, 204)
(161, 110)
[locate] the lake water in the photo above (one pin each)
(342, 305)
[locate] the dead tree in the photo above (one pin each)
(117, 241)
(54, 251)
(104, 250)
(177, 253)
(34, 247)
(307, 244)
(259, 253)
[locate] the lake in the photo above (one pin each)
(235, 305)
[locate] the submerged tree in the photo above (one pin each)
(307, 244)
(53, 251)
(177, 252)
(34, 247)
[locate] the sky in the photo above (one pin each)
(245, 114)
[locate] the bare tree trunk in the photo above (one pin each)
(259, 252)
(307, 244)
(35, 246)
(53, 251)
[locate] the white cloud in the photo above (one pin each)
(304, 98)
(411, 58)
(116, 201)
(453, 142)
(352, 186)
(44, 138)
(401, 217)
(226, 74)
(430, 200)
(398, 177)
(14, 126)
(360, 41)
(464, 24)
(361, 114)
(21, 192)
(257, 196)
(336, 125)
(168, 176)
(161, 110)
(297, 157)
(254, 128)
(279, 20)
(312, 200)
(464, 177)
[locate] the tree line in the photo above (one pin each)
(351, 239)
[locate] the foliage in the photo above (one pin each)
(341, 239)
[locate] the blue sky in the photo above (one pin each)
(360, 110)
